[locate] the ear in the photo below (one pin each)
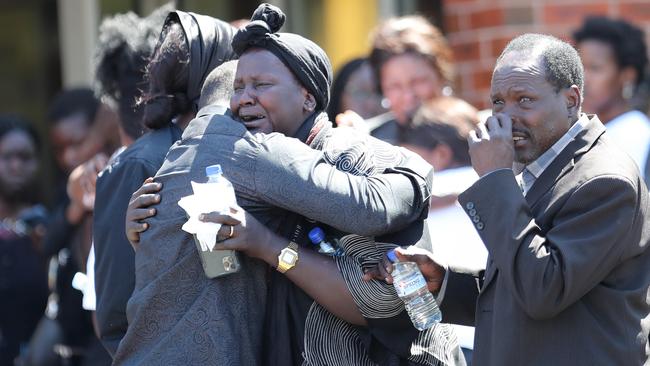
(310, 102)
(573, 99)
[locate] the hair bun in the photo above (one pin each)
(271, 15)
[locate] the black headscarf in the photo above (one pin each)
(209, 41)
(304, 58)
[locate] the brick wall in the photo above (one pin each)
(479, 29)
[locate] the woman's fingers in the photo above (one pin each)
(219, 218)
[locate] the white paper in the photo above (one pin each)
(204, 200)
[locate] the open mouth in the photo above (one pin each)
(519, 138)
(250, 117)
(252, 122)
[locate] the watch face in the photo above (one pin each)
(288, 256)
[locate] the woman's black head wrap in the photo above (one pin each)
(304, 58)
(209, 41)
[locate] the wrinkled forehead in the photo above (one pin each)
(518, 68)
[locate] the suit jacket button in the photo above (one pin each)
(480, 226)
(476, 219)
(469, 205)
(472, 212)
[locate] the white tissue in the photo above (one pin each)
(204, 200)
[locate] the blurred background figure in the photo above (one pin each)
(23, 275)
(438, 133)
(413, 64)
(355, 89)
(614, 55)
(65, 333)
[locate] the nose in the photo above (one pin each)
(16, 163)
(247, 97)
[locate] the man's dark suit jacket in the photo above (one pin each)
(569, 268)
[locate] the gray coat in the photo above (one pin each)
(176, 315)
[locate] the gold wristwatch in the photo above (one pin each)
(288, 257)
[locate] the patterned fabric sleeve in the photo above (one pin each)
(375, 299)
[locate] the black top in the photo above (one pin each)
(114, 257)
(23, 283)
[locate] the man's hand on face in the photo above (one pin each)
(490, 145)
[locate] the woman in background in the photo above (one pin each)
(615, 58)
(23, 277)
(355, 89)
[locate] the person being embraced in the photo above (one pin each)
(282, 85)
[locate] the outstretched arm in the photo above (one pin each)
(291, 175)
(314, 273)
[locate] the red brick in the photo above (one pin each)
(452, 23)
(497, 45)
(482, 79)
(466, 51)
(572, 14)
(518, 15)
(635, 10)
(486, 18)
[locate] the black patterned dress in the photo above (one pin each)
(322, 338)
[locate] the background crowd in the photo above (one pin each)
(104, 140)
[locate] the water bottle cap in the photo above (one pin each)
(213, 170)
(316, 235)
(392, 256)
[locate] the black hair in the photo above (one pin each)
(338, 86)
(443, 120)
(73, 101)
(626, 41)
(562, 63)
(125, 43)
(11, 122)
(167, 74)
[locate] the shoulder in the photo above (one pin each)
(606, 159)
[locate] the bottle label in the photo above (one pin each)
(409, 285)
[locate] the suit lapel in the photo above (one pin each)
(565, 162)
(562, 165)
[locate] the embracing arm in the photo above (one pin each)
(291, 175)
(549, 271)
(314, 273)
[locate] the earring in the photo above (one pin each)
(628, 91)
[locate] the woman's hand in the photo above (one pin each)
(139, 210)
(81, 187)
(433, 272)
(242, 232)
(351, 119)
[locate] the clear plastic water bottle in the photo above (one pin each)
(317, 237)
(412, 288)
(220, 191)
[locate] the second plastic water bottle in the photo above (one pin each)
(412, 288)
(317, 237)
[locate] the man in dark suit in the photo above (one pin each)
(568, 274)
